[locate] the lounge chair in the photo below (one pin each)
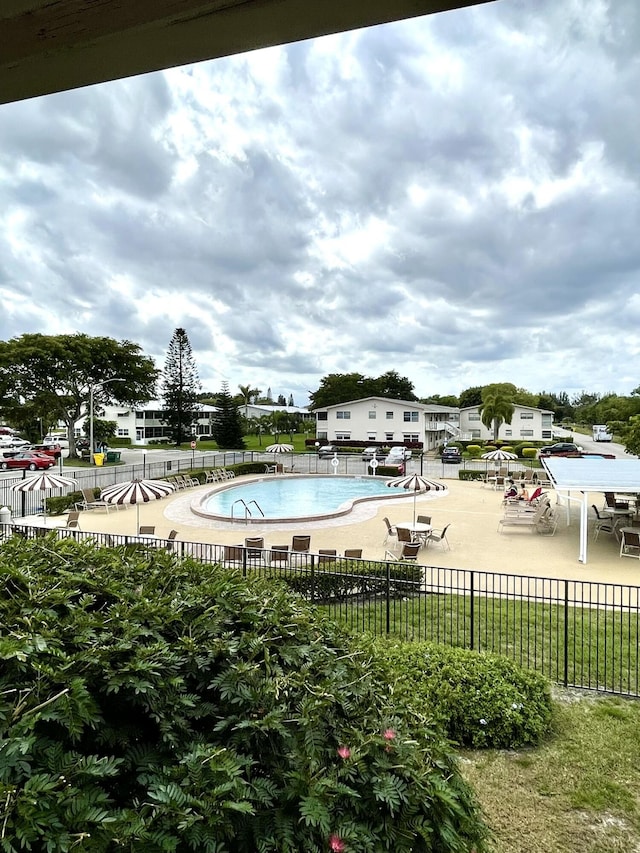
(409, 551)
(89, 501)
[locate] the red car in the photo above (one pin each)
(29, 459)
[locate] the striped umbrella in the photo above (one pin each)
(499, 455)
(416, 483)
(136, 492)
(279, 448)
(43, 483)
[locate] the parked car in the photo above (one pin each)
(327, 450)
(28, 459)
(13, 441)
(397, 455)
(562, 448)
(451, 455)
(62, 440)
(50, 449)
(374, 453)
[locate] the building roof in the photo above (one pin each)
(413, 403)
(478, 406)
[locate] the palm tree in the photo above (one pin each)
(497, 408)
(247, 392)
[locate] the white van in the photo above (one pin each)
(601, 433)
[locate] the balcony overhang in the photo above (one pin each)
(50, 46)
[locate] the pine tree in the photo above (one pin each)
(179, 389)
(227, 428)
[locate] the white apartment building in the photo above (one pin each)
(379, 419)
(143, 424)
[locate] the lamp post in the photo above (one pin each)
(91, 387)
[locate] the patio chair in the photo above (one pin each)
(73, 520)
(440, 537)
(406, 535)
(327, 555)
(300, 544)
(147, 530)
(352, 553)
(233, 554)
(171, 539)
(210, 477)
(254, 546)
(630, 543)
(391, 531)
(279, 554)
(424, 519)
(604, 523)
(408, 552)
(612, 503)
(89, 501)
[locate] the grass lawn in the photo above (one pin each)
(577, 793)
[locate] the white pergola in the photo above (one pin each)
(592, 474)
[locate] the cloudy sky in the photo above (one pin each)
(453, 197)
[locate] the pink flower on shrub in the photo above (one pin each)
(344, 752)
(336, 843)
(389, 734)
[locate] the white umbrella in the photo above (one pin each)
(136, 492)
(43, 483)
(279, 448)
(416, 483)
(499, 455)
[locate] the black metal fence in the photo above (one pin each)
(578, 633)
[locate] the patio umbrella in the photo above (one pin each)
(499, 455)
(415, 483)
(43, 483)
(279, 448)
(136, 492)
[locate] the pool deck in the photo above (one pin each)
(472, 511)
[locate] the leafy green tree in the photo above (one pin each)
(442, 400)
(179, 388)
(227, 425)
(102, 430)
(630, 434)
(471, 397)
(53, 375)
(497, 408)
(343, 387)
(394, 386)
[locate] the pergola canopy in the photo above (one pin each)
(592, 474)
(52, 45)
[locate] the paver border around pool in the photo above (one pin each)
(196, 504)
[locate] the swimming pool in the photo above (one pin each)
(292, 498)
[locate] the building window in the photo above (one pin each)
(526, 433)
(321, 434)
(321, 416)
(546, 433)
(140, 417)
(547, 421)
(526, 416)
(343, 416)
(371, 436)
(389, 416)
(343, 436)
(474, 416)
(508, 432)
(123, 433)
(388, 436)
(410, 436)
(475, 433)
(410, 417)
(372, 415)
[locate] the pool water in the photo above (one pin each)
(287, 498)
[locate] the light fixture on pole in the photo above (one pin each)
(91, 387)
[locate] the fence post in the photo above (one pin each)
(566, 633)
(313, 578)
(472, 612)
(388, 602)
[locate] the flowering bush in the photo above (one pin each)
(482, 700)
(151, 705)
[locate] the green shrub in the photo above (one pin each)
(474, 450)
(529, 452)
(482, 699)
(151, 705)
(471, 475)
(345, 579)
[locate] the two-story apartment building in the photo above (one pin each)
(527, 423)
(379, 419)
(143, 424)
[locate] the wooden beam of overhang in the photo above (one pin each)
(52, 45)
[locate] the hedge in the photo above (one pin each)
(152, 705)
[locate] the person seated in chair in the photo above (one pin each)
(511, 492)
(523, 494)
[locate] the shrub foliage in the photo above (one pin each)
(151, 705)
(482, 699)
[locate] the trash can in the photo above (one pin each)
(98, 458)
(113, 456)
